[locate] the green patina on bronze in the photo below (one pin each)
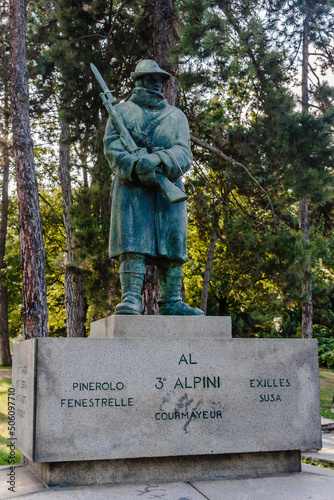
(145, 225)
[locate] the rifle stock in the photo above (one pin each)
(173, 193)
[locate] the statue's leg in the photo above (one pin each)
(170, 282)
(132, 269)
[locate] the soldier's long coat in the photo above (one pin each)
(142, 219)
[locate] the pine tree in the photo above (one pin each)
(35, 316)
(308, 24)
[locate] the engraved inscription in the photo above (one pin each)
(269, 383)
(193, 382)
(160, 382)
(177, 415)
(269, 397)
(187, 360)
(21, 386)
(97, 402)
(188, 409)
(98, 386)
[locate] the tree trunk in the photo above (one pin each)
(73, 282)
(208, 269)
(165, 32)
(4, 333)
(35, 316)
(222, 306)
(80, 305)
(307, 306)
(65, 183)
(164, 23)
(151, 291)
(79, 280)
(305, 63)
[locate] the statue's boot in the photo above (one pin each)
(132, 271)
(170, 303)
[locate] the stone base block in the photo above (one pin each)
(115, 399)
(165, 469)
(162, 327)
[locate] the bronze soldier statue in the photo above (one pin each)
(145, 226)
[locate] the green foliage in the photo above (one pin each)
(326, 352)
(318, 463)
(235, 80)
(50, 208)
(13, 272)
(53, 231)
(326, 345)
(326, 392)
(91, 237)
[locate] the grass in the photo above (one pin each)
(318, 463)
(5, 384)
(326, 392)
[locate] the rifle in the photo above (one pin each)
(172, 192)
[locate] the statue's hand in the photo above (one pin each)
(146, 169)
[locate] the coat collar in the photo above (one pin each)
(148, 98)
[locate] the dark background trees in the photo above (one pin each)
(257, 153)
(238, 49)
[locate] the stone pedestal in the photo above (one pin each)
(162, 327)
(158, 405)
(167, 469)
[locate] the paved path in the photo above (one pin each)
(313, 483)
(326, 454)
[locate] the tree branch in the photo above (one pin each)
(222, 155)
(111, 34)
(321, 55)
(140, 21)
(89, 36)
(318, 79)
(242, 208)
(213, 189)
(315, 106)
(120, 8)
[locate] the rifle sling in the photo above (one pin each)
(145, 134)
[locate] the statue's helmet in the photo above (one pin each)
(149, 67)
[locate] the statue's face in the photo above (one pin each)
(152, 82)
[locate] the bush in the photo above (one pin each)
(326, 352)
(326, 345)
